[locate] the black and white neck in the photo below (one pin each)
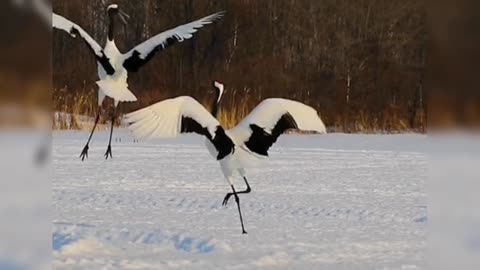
(112, 11)
(216, 102)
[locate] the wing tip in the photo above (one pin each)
(216, 16)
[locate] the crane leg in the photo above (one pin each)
(109, 148)
(225, 200)
(85, 149)
(237, 199)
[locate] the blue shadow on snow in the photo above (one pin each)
(60, 240)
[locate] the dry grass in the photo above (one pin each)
(69, 105)
(236, 105)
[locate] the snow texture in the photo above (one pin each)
(321, 202)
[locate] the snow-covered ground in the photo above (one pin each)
(322, 202)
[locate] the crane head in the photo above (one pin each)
(113, 9)
(219, 86)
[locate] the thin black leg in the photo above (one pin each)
(85, 149)
(109, 148)
(237, 199)
(225, 200)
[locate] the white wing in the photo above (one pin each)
(164, 119)
(269, 111)
(171, 117)
(116, 89)
(271, 118)
(73, 29)
(142, 53)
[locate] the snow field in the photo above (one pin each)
(321, 202)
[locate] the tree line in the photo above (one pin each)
(360, 63)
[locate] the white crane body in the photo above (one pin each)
(113, 66)
(241, 147)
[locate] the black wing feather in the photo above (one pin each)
(260, 140)
(135, 62)
(191, 126)
(103, 60)
(221, 141)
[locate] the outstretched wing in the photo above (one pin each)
(171, 117)
(73, 29)
(142, 53)
(271, 118)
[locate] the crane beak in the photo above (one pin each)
(124, 17)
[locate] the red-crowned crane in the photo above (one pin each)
(235, 149)
(113, 66)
